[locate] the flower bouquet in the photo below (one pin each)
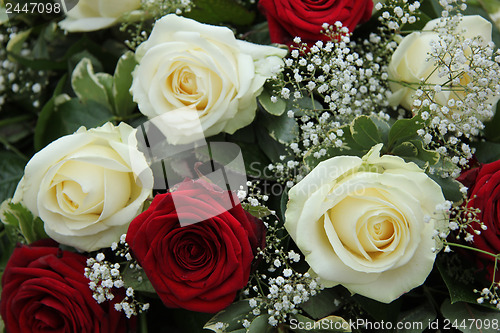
(249, 166)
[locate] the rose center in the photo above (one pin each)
(382, 230)
(187, 83)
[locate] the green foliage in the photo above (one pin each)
(487, 152)
(423, 313)
(18, 216)
(138, 280)
(87, 85)
(233, 315)
(322, 304)
(450, 188)
(468, 318)
(275, 108)
(281, 128)
(11, 171)
(122, 81)
(257, 211)
(221, 11)
(364, 132)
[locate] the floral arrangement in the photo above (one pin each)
(249, 166)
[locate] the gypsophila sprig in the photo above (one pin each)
(468, 72)
(281, 289)
(138, 27)
(22, 83)
(104, 276)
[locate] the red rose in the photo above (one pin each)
(484, 193)
(200, 266)
(304, 18)
(44, 290)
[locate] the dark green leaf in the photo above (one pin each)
(323, 304)
(491, 127)
(418, 318)
(69, 116)
(450, 187)
(424, 154)
(275, 108)
(45, 116)
(260, 325)
(122, 81)
(404, 130)
(8, 240)
(233, 315)
(380, 311)
(383, 127)
(470, 319)
(138, 280)
(281, 128)
(221, 11)
(365, 132)
(487, 152)
(11, 171)
(269, 146)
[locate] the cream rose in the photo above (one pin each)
(91, 15)
(409, 63)
(366, 224)
(88, 186)
(187, 65)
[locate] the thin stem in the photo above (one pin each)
(473, 249)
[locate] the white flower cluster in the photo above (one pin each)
(286, 288)
(139, 31)
(472, 69)
(397, 13)
(105, 275)
(491, 294)
(15, 79)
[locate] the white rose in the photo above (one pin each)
(91, 15)
(192, 66)
(361, 223)
(409, 63)
(86, 186)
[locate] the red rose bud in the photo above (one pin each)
(200, 265)
(305, 18)
(44, 290)
(484, 193)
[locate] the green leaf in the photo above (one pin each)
(458, 290)
(365, 132)
(281, 128)
(419, 317)
(16, 215)
(491, 127)
(487, 152)
(404, 130)
(380, 311)
(272, 148)
(45, 116)
(221, 11)
(275, 108)
(69, 116)
(303, 324)
(9, 236)
(405, 149)
(424, 154)
(260, 325)
(468, 318)
(122, 81)
(450, 187)
(257, 211)
(383, 127)
(15, 44)
(138, 280)
(11, 171)
(323, 304)
(233, 315)
(87, 85)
